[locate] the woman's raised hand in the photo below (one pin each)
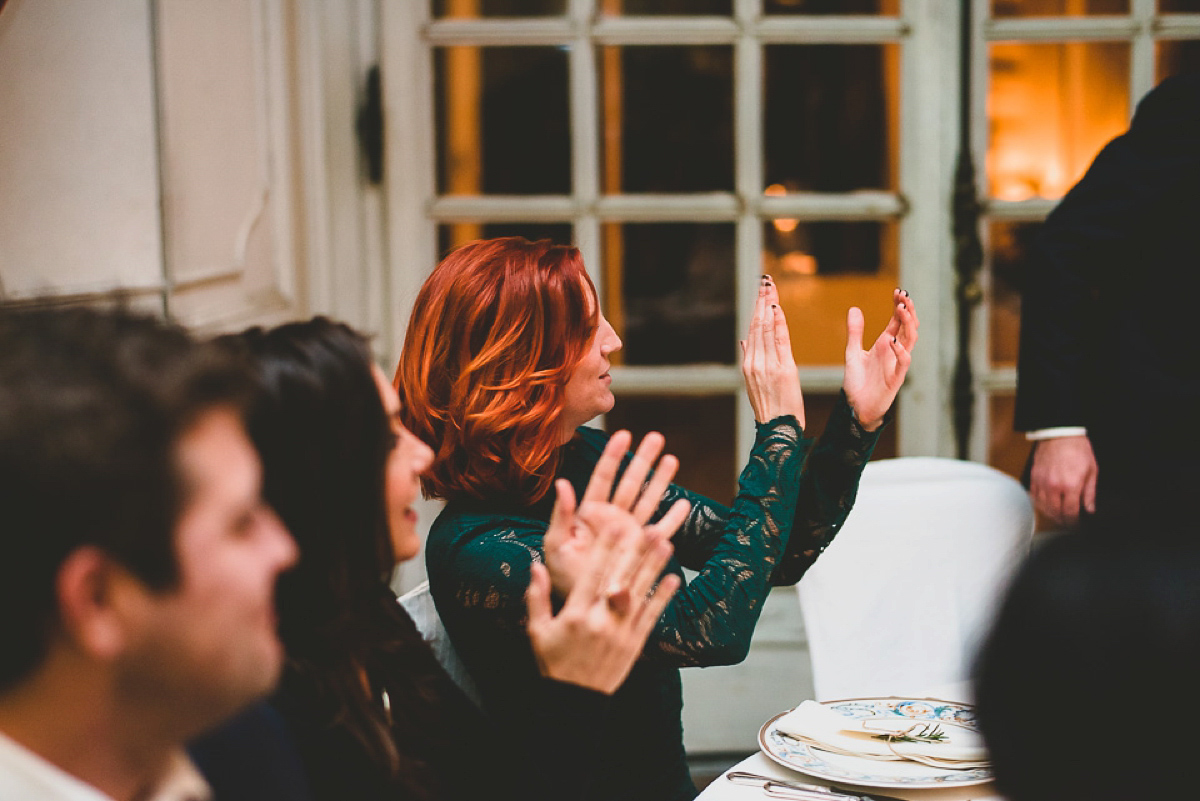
(598, 634)
(769, 369)
(873, 377)
(568, 541)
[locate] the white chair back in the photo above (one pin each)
(418, 603)
(900, 600)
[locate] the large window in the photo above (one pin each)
(688, 146)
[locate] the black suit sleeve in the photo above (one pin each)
(1089, 247)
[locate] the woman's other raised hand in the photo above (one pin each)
(768, 366)
(873, 377)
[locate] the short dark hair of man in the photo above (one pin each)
(92, 405)
(1085, 683)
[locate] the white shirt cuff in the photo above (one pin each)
(1057, 431)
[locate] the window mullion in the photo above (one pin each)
(1141, 55)
(748, 172)
(585, 147)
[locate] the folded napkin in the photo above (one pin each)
(821, 727)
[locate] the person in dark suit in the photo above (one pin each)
(1107, 378)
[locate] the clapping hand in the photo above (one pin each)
(873, 377)
(602, 627)
(568, 541)
(768, 366)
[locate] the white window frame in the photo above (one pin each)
(928, 33)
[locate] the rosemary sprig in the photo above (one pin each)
(927, 734)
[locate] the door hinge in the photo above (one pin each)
(369, 126)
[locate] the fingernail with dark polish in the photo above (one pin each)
(903, 306)
(893, 339)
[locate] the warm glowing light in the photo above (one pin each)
(1050, 109)
(783, 225)
(797, 263)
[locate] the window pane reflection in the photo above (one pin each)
(669, 291)
(888, 7)
(700, 430)
(1051, 107)
(667, 118)
(1057, 8)
(497, 8)
(1176, 56)
(502, 120)
(671, 7)
(821, 270)
(1012, 248)
(831, 117)
(451, 235)
(829, 248)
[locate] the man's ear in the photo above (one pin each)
(96, 597)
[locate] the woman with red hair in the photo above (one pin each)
(506, 357)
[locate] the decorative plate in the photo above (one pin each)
(792, 753)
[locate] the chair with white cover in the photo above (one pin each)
(418, 603)
(900, 600)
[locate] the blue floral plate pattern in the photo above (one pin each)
(792, 753)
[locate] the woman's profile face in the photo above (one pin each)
(588, 393)
(409, 458)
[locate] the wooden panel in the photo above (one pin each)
(79, 211)
(223, 82)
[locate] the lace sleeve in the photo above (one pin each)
(710, 621)
(828, 487)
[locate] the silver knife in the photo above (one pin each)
(815, 792)
(780, 788)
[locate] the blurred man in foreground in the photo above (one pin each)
(139, 561)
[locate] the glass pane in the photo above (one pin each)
(1179, 6)
(829, 248)
(700, 430)
(822, 269)
(451, 235)
(831, 120)
(888, 7)
(1051, 107)
(1008, 450)
(667, 119)
(669, 292)
(503, 125)
(497, 8)
(1057, 8)
(1177, 56)
(1012, 247)
(817, 409)
(672, 7)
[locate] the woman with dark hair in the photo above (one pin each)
(506, 357)
(372, 712)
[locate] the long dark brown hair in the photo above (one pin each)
(324, 437)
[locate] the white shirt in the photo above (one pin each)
(25, 776)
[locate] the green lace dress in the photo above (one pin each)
(793, 496)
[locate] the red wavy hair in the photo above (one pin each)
(496, 331)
